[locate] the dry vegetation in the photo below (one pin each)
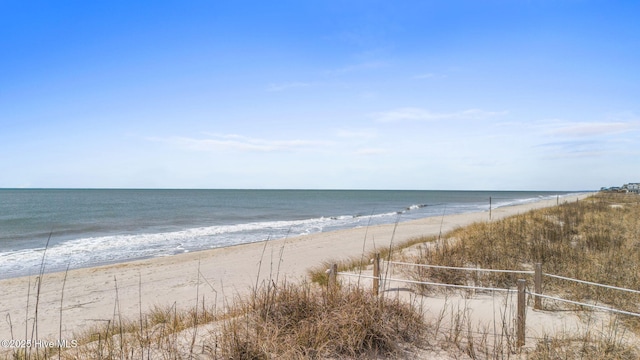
(304, 321)
(596, 240)
(289, 321)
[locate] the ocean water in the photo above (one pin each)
(88, 227)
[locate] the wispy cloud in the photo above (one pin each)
(574, 149)
(418, 114)
(287, 86)
(233, 142)
(588, 129)
(590, 139)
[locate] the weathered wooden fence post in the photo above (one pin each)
(489, 207)
(537, 280)
(333, 273)
(376, 274)
(521, 311)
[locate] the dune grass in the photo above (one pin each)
(296, 321)
(596, 240)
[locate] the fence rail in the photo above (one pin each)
(599, 307)
(470, 287)
(529, 272)
(592, 283)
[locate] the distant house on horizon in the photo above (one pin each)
(626, 188)
(633, 187)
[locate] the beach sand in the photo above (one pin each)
(92, 296)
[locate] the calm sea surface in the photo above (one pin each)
(92, 227)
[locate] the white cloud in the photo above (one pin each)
(585, 129)
(590, 139)
(233, 142)
(418, 114)
(573, 149)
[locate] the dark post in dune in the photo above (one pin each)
(376, 274)
(333, 273)
(537, 279)
(521, 312)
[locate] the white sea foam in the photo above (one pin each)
(512, 202)
(91, 251)
(417, 206)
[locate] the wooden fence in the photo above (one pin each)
(538, 276)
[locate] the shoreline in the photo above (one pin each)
(217, 275)
(92, 249)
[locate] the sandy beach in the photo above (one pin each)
(91, 296)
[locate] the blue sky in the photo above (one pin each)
(496, 95)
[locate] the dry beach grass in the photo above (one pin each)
(595, 240)
(283, 316)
